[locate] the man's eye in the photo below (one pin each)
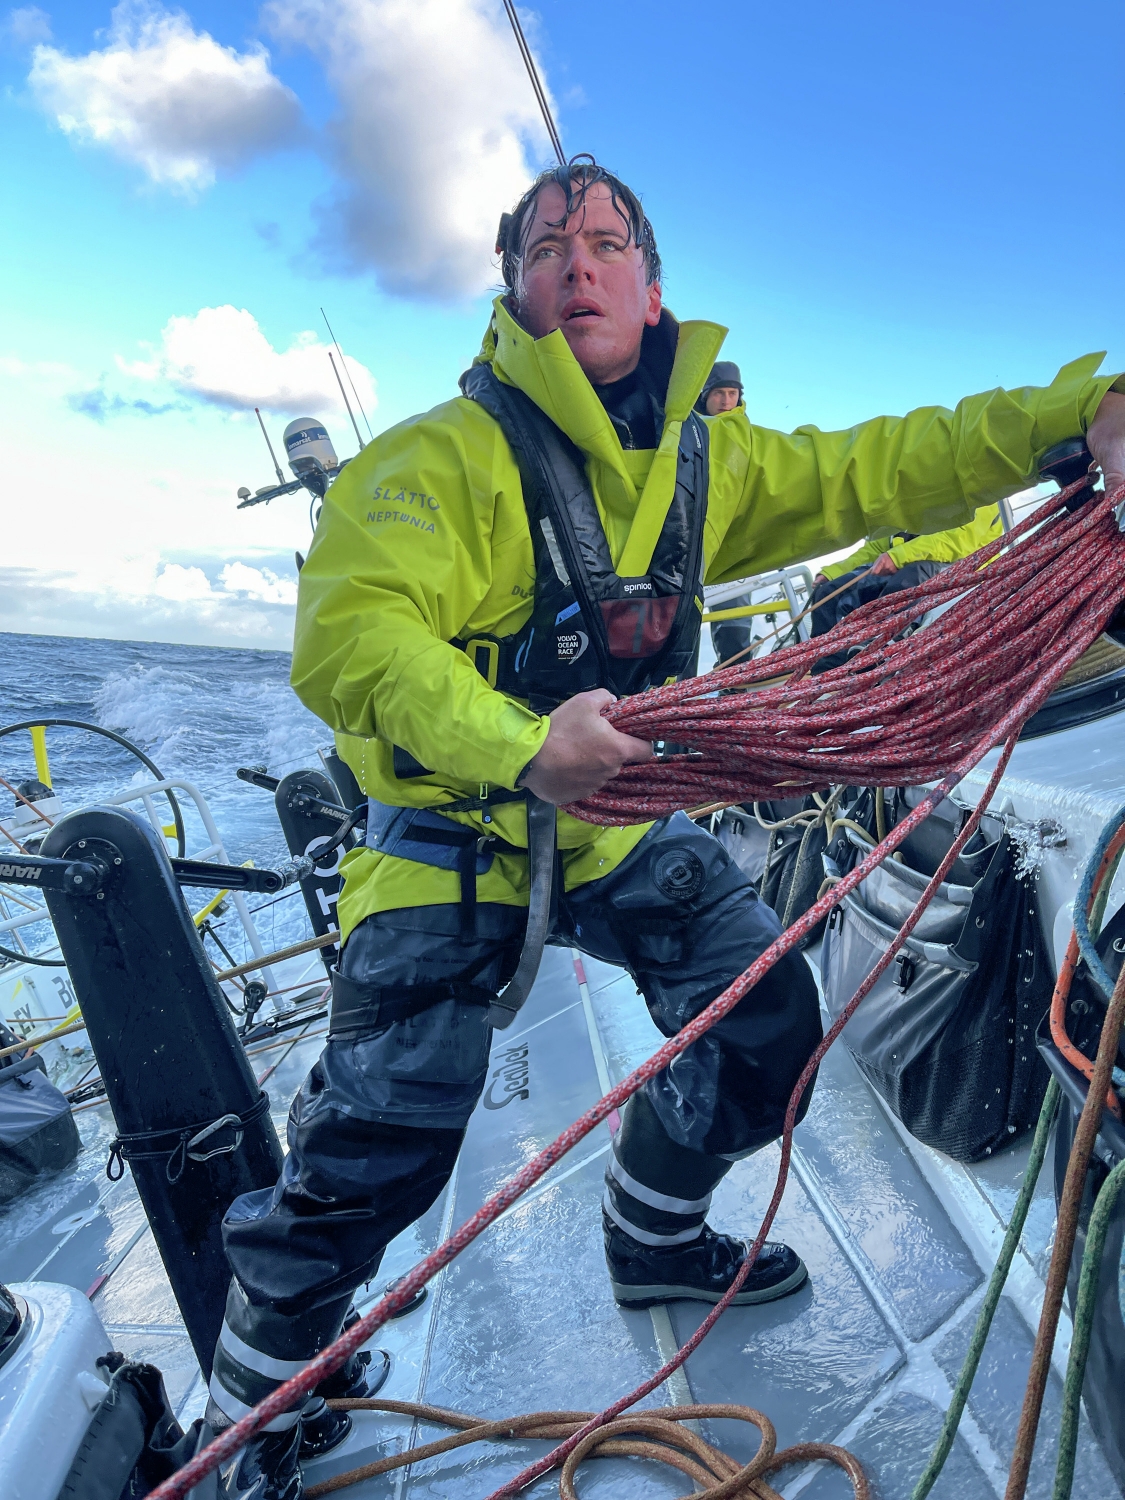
(609, 245)
(544, 251)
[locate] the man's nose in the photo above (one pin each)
(581, 265)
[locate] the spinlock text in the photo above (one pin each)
(510, 1080)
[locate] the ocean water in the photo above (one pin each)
(197, 712)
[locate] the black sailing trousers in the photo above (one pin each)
(374, 1131)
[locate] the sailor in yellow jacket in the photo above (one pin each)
(888, 564)
(483, 578)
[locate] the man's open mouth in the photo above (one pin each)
(580, 312)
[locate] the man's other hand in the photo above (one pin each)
(883, 565)
(582, 751)
(1105, 439)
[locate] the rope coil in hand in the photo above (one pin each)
(899, 711)
(1053, 620)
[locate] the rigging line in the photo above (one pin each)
(533, 74)
(347, 372)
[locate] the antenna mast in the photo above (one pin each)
(344, 393)
(347, 372)
(533, 74)
(269, 445)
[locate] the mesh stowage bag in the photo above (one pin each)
(947, 1035)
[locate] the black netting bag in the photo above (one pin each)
(947, 1035)
(795, 873)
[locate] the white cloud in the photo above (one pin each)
(39, 370)
(27, 25)
(167, 98)
(258, 583)
(141, 608)
(179, 583)
(222, 356)
(186, 584)
(434, 110)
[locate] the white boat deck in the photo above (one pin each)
(898, 1242)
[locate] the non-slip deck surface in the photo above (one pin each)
(864, 1354)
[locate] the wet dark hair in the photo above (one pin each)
(576, 179)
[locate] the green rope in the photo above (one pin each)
(944, 1445)
(1083, 1327)
(1101, 899)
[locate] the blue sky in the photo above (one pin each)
(888, 205)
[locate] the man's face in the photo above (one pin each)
(721, 398)
(587, 278)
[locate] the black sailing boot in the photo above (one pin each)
(701, 1271)
(258, 1350)
(360, 1376)
(266, 1469)
(657, 1245)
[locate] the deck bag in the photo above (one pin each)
(37, 1130)
(794, 870)
(747, 840)
(133, 1442)
(947, 1034)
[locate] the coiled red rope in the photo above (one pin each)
(899, 711)
(1001, 726)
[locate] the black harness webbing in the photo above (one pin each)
(359, 1007)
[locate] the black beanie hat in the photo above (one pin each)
(725, 372)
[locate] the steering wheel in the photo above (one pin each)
(134, 750)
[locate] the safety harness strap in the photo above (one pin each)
(590, 627)
(429, 838)
(363, 1007)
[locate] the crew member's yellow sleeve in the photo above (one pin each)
(950, 546)
(939, 546)
(809, 492)
(401, 558)
(862, 557)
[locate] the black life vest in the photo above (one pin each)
(590, 628)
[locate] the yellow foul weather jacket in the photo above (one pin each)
(938, 546)
(424, 538)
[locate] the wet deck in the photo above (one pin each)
(895, 1238)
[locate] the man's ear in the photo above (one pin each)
(655, 303)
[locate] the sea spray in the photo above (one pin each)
(198, 712)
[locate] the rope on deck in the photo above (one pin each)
(1089, 909)
(653, 1434)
